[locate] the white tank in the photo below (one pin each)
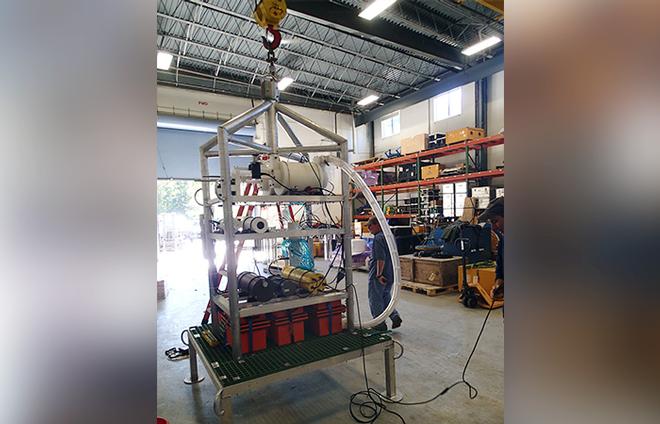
(293, 175)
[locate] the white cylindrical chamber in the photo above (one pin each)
(296, 176)
(256, 224)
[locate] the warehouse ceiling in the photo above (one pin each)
(335, 58)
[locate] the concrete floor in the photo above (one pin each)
(437, 333)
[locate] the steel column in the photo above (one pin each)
(347, 223)
(390, 374)
(205, 227)
(194, 373)
(228, 216)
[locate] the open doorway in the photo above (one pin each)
(180, 259)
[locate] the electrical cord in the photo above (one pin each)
(373, 403)
(278, 182)
(369, 409)
(195, 197)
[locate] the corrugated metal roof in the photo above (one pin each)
(217, 47)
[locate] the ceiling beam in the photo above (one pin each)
(347, 20)
(467, 76)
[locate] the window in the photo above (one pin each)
(390, 125)
(447, 105)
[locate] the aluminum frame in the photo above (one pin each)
(222, 404)
(274, 113)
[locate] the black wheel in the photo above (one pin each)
(471, 302)
(469, 298)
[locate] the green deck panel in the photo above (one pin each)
(275, 359)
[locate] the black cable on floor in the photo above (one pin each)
(366, 405)
(370, 408)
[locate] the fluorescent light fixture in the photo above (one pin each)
(284, 83)
(163, 60)
(481, 45)
(375, 9)
(188, 127)
(367, 100)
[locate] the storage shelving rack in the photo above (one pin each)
(230, 370)
(478, 145)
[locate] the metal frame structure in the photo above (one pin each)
(273, 112)
(222, 404)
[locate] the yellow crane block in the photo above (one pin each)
(270, 12)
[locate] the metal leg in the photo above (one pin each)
(194, 375)
(222, 408)
(390, 375)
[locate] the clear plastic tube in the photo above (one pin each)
(389, 238)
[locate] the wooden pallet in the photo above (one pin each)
(427, 289)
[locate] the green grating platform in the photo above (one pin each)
(275, 359)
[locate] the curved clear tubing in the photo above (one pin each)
(389, 237)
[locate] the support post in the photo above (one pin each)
(230, 254)
(222, 408)
(269, 92)
(208, 244)
(481, 114)
(370, 139)
(390, 375)
(194, 374)
(347, 223)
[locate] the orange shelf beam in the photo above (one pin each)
(452, 149)
(400, 215)
(440, 180)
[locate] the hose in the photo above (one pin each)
(389, 238)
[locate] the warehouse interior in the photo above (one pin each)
(341, 147)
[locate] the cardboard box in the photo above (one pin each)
(448, 209)
(499, 192)
(407, 272)
(464, 134)
(357, 228)
(481, 191)
(437, 272)
(318, 249)
(482, 202)
(365, 227)
(414, 144)
(431, 171)
(459, 202)
(461, 188)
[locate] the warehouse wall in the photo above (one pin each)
(417, 118)
(200, 104)
(197, 104)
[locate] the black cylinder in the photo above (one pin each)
(255, 287)
(283, 287)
